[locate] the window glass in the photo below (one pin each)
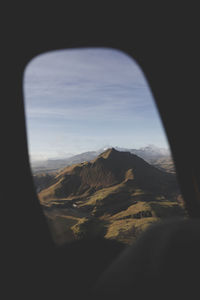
(100, 160)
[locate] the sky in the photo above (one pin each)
(86, 99)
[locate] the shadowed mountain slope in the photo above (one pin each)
(115, 195)
(110, 168)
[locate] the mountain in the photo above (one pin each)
(50, 165)
(115, 195)
(110, 168)
(151, 154)
(165, 164)
(43, 180)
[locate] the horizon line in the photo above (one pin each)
(68, 155)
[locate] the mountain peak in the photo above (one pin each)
(108, 153)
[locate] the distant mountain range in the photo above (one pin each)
(153, 155)
(116, 195)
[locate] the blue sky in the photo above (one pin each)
(84, 99)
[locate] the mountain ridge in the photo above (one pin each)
(117, 193)
(109, 168)
(150, 154)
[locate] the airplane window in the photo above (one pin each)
(99, 156)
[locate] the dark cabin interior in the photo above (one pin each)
(165, 262)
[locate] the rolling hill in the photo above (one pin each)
(116, 195)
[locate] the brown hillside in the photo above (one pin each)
(110, 168)
(117, 195)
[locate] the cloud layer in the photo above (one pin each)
(82, 99)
